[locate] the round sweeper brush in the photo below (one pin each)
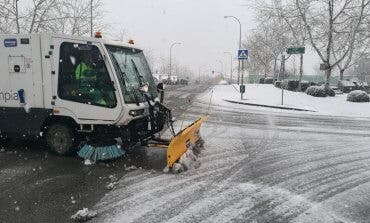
(101, 151)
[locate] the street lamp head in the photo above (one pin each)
(175, 43)
(226, 16)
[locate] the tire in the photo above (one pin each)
(61, 139)
(3, 139)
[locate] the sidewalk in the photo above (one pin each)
(267, 97)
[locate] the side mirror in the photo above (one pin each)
(160, 89)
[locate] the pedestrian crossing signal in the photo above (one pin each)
(243, 54)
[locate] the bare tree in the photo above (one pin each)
(266, 44)
(326, 21)
(9, 16)
(260, 56)
(355, 55)
(55, 16)
(287, 14)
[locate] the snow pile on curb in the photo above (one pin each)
(358, 96)
(84, 215)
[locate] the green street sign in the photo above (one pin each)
(296, 50)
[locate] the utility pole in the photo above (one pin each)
(222, 68)
(17, 16)
(242, 78)
(282, 74)
(91, 19)
(240, 41)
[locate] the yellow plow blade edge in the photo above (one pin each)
(183, 141)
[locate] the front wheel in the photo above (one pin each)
(61, 139)
(3, 139)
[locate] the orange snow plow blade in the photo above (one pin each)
(183, 141)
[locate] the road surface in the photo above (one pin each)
(37, 186)
(257, 166)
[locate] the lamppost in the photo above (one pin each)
(222, 68)
(199, 72)
(231, 65)
(17, 16)
(240, 40)
(91, 19)
(172, 45)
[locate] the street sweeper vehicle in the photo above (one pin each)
(90, 95)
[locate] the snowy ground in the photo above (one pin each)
(257, 166)
(269, 95)
(38, 186)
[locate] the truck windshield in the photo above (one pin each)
(133, 71)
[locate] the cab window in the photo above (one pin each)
(83, 76)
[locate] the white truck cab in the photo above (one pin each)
(65, 87)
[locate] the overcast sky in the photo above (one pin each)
(198, 24)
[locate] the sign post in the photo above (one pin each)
(296, 50)
(242, 56)
(290, 51)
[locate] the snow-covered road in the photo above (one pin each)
(257, 166)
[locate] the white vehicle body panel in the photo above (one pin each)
(38, 77)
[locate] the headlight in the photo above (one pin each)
(136, 113)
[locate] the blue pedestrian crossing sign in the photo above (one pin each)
(243, 54)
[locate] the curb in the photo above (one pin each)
(269, 106)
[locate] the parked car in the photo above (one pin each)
(349, 85)
(184, 81)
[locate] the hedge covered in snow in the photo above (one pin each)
(330, 92)
(358, 96)
(316, 91)
(320, 91)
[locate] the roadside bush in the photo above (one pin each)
(262, 80)
(269, 80)
(320, 91)
(316, 91)
(290, 85)
(330, 92)
(278, 84)
(358, 96)
(304, 85)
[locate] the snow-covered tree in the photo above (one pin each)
(55, 16)
(333, 28)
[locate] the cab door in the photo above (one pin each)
(84, 87)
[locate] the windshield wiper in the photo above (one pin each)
(137, 73)
(140, 77)
(124, 78)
